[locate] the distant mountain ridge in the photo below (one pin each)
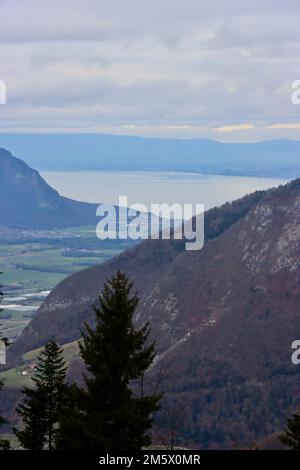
(79, 152)
(224, 318)
(27, 201)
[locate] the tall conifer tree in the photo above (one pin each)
(43, 402)
(108, 415)
(4, 444)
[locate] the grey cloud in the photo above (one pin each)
(99, 63)
(34, 20)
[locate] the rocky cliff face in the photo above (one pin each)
(224, 318)
(27, 201)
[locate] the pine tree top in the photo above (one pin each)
(115, 348)
(51, 365)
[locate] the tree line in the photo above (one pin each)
(106, 413)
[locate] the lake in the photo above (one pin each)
(155, 188)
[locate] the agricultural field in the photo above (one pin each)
(34, 262)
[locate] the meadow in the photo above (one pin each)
(34, 262)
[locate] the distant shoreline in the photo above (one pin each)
(149, 187)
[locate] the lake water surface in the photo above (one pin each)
(150, 187)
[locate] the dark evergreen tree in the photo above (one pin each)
(4, 444)
(291, 437)
(5, 340)
(107, 414)
(1, 296)
(43, 402)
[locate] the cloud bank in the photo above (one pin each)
(161, 68)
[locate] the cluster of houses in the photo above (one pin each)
(29, 369)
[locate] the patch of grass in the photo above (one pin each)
(70, 351)
(13, 378)
(29, 279)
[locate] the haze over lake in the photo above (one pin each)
(154, 187)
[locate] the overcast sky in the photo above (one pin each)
(175, 68)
